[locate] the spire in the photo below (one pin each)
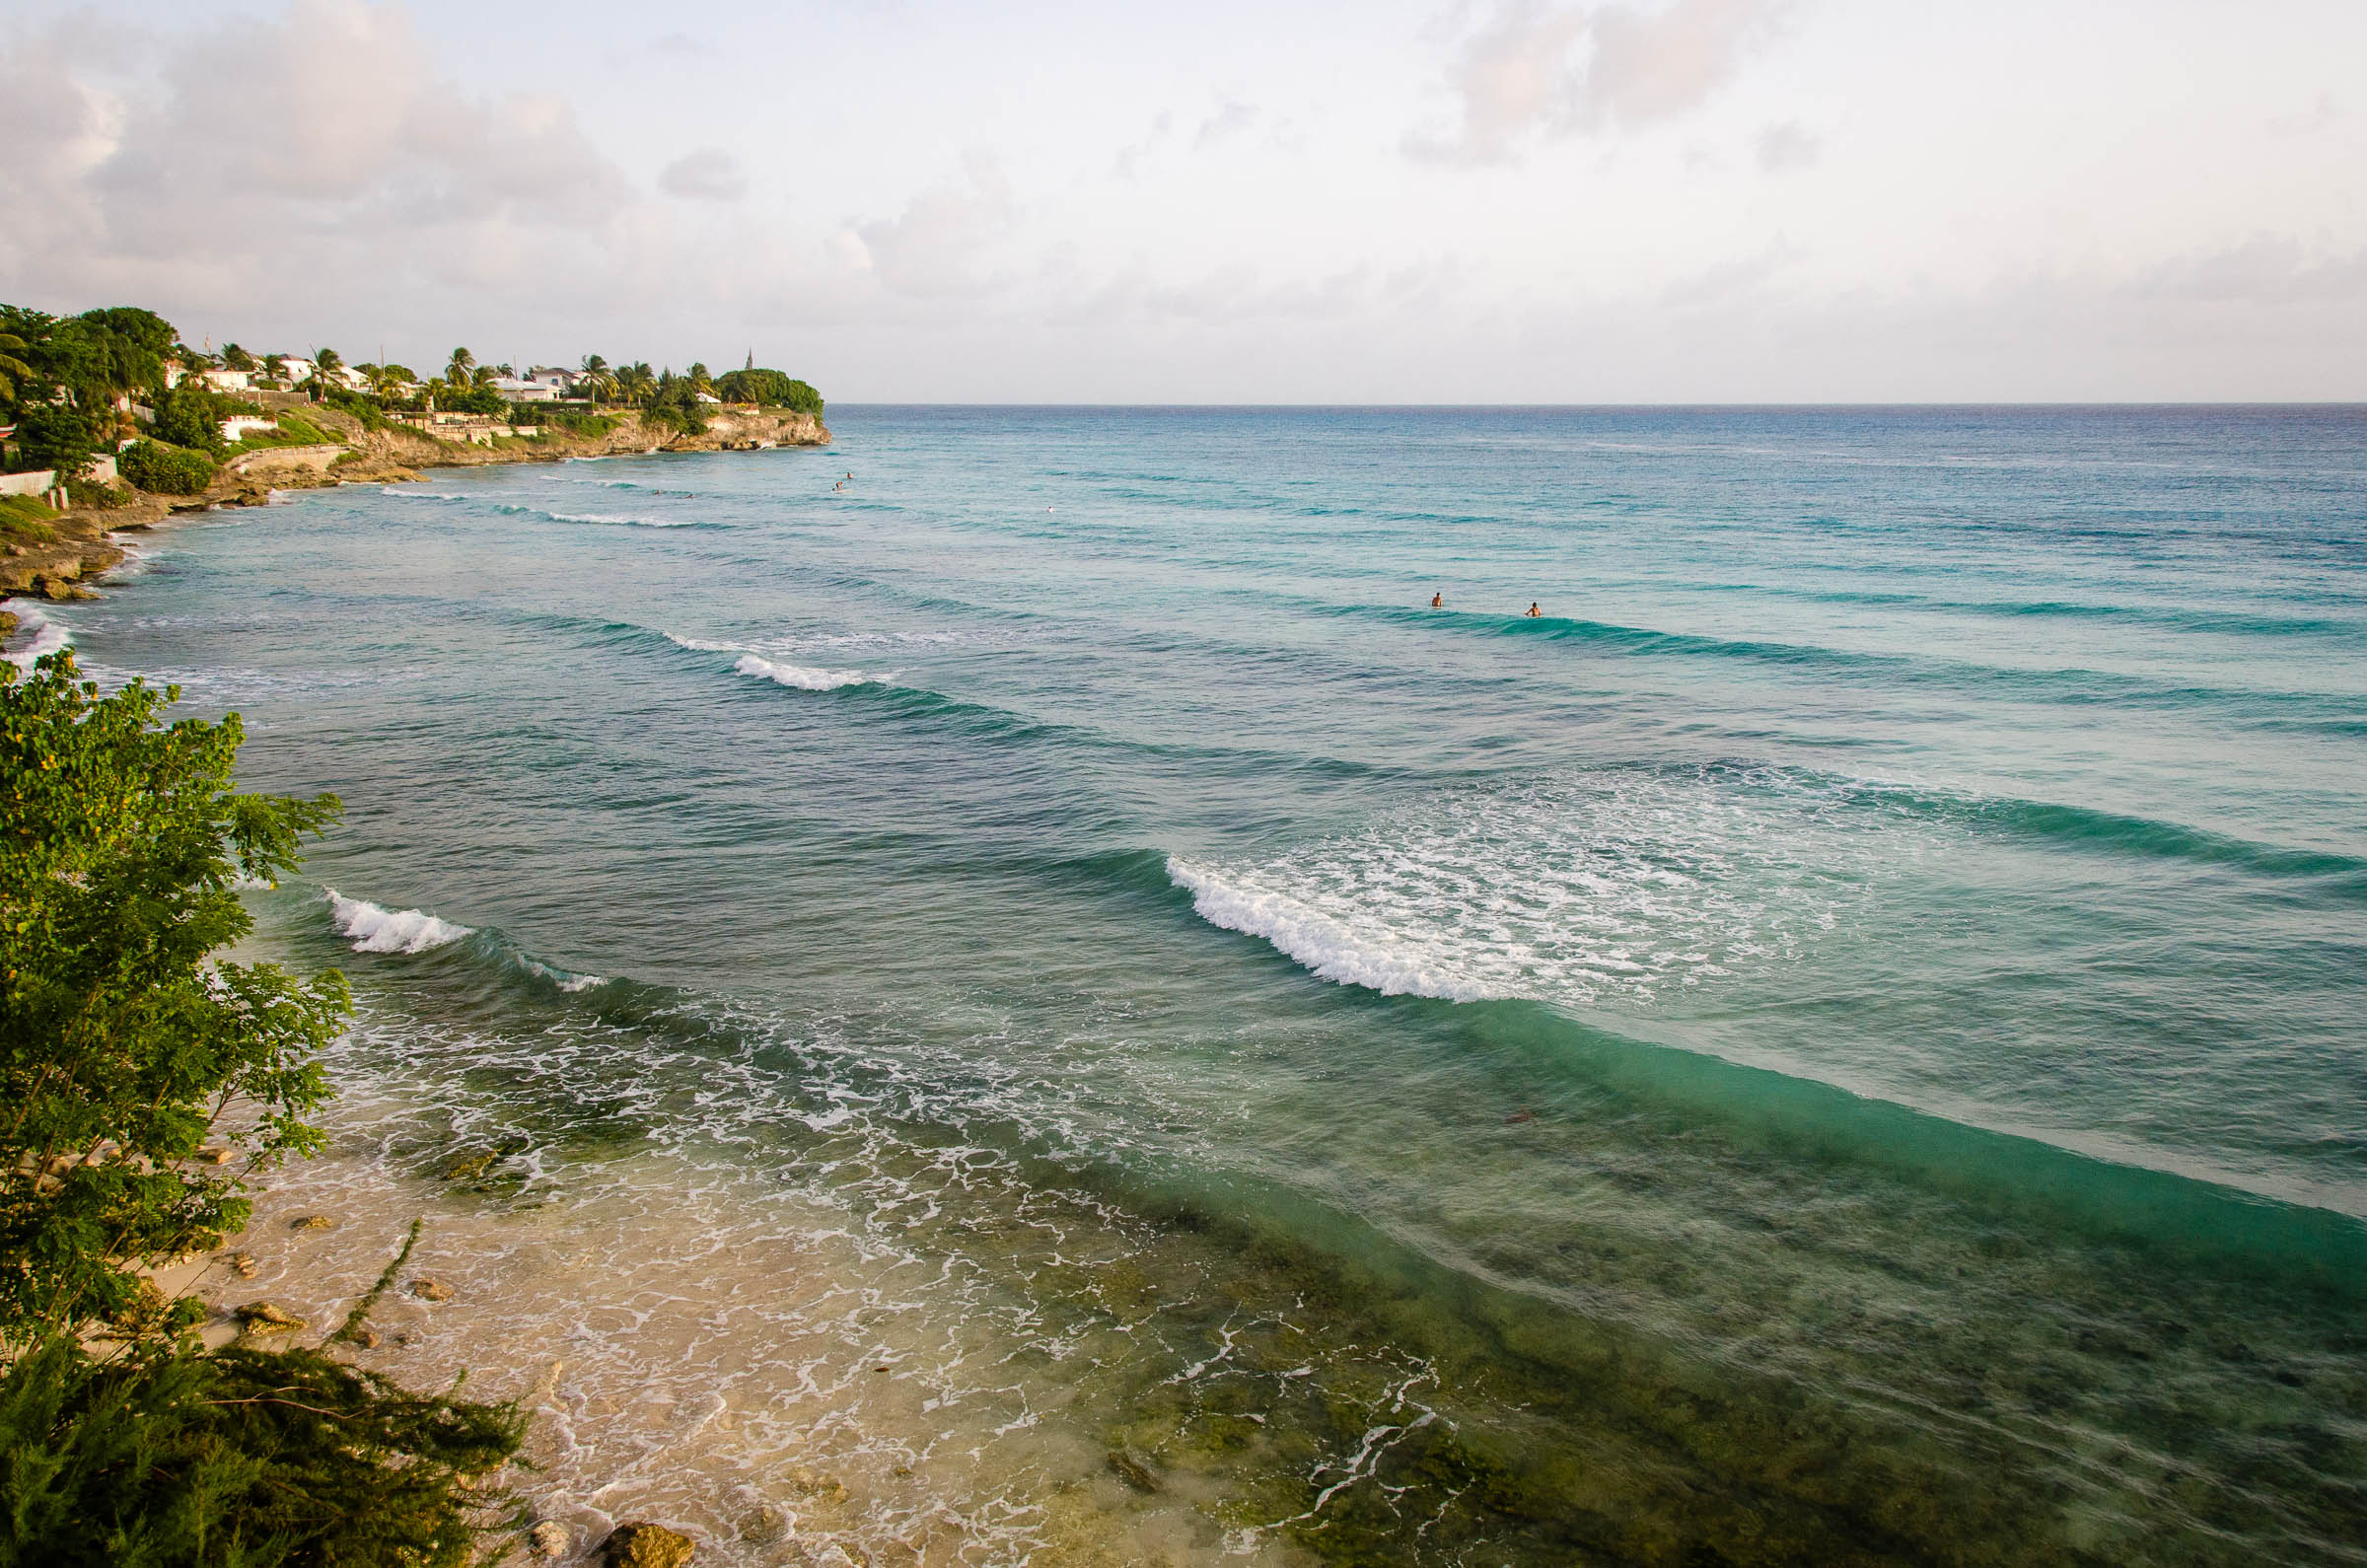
(751, 360)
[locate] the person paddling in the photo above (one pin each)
(1438, 600)
(1534, 612)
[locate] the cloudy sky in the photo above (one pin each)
(1385, 201)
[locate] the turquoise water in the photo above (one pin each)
(1838, 1040)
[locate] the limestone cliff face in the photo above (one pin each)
(728, 431)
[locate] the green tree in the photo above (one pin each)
(191, 417)
(769, 388)
(236, 358)
(56, 436)
(124, 1039)
(456, 370)
(14, 372)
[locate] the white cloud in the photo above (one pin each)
(1537, 70)
(707, 174)
(1786, 147)
(938, 243)
(1228, 121)
(308, 151)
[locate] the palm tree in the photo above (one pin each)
(11, 369)
(700, 381)
(635, 383)
(462, 363)
(593, 377)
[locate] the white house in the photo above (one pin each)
(288, 368)
(526, 390)
(239, 427)
(224, 380)
(706, 397)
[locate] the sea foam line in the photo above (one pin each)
(1315, 940)
(377, 930)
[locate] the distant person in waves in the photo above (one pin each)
(1438, 600)
(1534, 612)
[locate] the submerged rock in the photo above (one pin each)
(311, 1221)
(267, 1318)
(641, 1544)
(243, 1264)
(1133, 1470)
(548, 1539)
(431, 1290)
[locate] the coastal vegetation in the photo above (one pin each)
(146, 1077)
(120, 381)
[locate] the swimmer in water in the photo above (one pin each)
(1438, 600)
(1534, 612)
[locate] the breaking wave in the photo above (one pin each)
(377, 930)
(41, 636)
(799, 676)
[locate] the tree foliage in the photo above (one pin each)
(55, 436)
(769, 388)
(163, 470)
(87, 360)
(169, 1459)
(191, 416)
(125, 1041)
(122, 1038)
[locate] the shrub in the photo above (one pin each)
(163, 470)
(242, 1457)
(101, 497)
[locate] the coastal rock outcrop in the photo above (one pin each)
(641, 1544)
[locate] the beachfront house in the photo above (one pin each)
(226, 381)
(289, 369)
(526, 390)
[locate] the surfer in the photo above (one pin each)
(1438, 600)
(1534, 612)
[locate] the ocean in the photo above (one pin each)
(1102, 991)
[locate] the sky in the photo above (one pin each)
(1393, 201)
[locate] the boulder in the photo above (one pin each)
(311, 1221)
(267, 1318)
(431, 1290)
(548, 1539)
(641, 1544)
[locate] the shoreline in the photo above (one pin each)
(60, 569)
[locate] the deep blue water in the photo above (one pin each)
(1840, 1039)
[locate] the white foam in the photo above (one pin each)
(40, 635)
(624, 521)
(799, 676)
(376, 930)
(699, 645)
(1605, 889)
(1332, 948)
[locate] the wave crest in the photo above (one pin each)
(799, 676)
(377, 930)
